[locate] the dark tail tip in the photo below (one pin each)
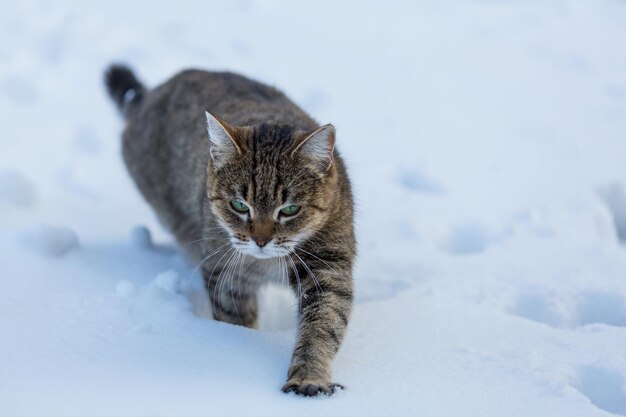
(123, 87)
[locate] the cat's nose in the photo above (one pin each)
(261, 240)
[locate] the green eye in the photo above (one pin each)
(290, 210)
(239, 206)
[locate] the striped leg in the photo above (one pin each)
(325, 307)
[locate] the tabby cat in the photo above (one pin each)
(263, 194)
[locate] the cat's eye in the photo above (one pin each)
(290, 210)
(239, 206)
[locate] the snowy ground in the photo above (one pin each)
(487, 145)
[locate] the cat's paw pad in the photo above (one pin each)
(311, 388)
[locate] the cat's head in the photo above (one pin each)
(270, 186)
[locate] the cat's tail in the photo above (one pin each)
(124, 88)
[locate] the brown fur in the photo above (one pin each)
(264, 150)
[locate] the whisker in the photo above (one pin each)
(317, 285)
(295, 270)
(204, 239)
(217, 292)
(204, 260)
(212, 230)
(283, 270)
(213, 270)
(230, 281)
(239, 276)
(320, 259)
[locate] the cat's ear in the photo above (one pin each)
(318, 147)
(223, 139)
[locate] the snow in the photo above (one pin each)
(614, 196)
(167, 281)
(16, 189)
(125, 289)
(48, 240)
(485, 142)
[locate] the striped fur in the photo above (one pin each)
(278, 156)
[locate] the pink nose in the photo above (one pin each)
(261, 240)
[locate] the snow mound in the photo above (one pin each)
(168, 281)
(16, 189)
(614, 196)
(140, 237)
(47, 240)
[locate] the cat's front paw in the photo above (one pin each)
(311, 388)
(310, 381)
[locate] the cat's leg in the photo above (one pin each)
(233, 299)
(325, 304)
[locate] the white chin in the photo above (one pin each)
(264, 254)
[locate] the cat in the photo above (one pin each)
(236, 170)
